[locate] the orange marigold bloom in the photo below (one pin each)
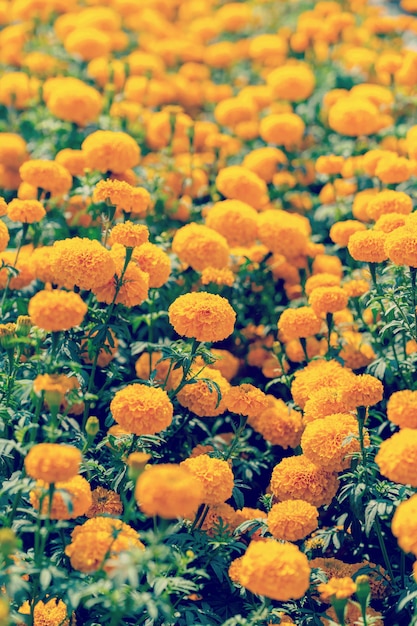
(301, 322)
(404, 525)
(297, 478)
(24, 266)
(354, 116)
(295, 352)
(223, 514)
(341, 231)
(202, 316)
(73, 101)
(57, 310)
(292, 82)
(401, 246)
(276, 570)
(82, 262)
(77, 489)
(240, 183)
(202, 398)
(235, 220)
(155, 262)
(355, 352)
(168, 490)
(292, 520)
(4, 236)
(326, 401)
(315, 376)
(200, 246)
(356, 288)
(53, 462)
(330, 442)
(389, 222)
(129, 234)
(264, 162)
(107, 150)
(104, 502)
(389, 201)
(402, 408)
(397, 457)
(246, 399)
(13, 150)
(393, 169)
(322, 279)
(47, 175)
(142, 410)
(328, 300)
(329, 164)
(284, 233)
(123, 196)
(363, 390)
(135, 283)
(51, 613)
(326, 264)
(98, 540)
(339, 588)
(25, 211)
(368, 246)
(217, 277)
(149, 363)
(72, 160)
(226, 363)
(282, 129)
(214, 475)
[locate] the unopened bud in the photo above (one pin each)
(92, 426)
(363, 590)
(7, 333)
(136, 463)
(23, 325)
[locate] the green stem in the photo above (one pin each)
(184, 381)
(25, 228)
(413, 271)
(303, 342)
(242, 424)
(384, 551)
(329, 322)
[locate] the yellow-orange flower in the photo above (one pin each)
(53, 462)
(240, 183)
(82, 262)
(214, 475)
(169, 491)
(235, 220)
(77, 490)
(25, 211)
(292, 520)
(402, 408)
(155, 262)
(292, 82)
(200, 246)
(104, 502)
(107, 150)
(297, 478)
(302, 322)
(341, 231)
(368, 246)
(404, 525)
(47, 175)
(397, 457)
(57, 310)
(276, 570)
(245, 399)
(328, 300)
(142, 410)
(129, 234)
(203, 398)
(339, 588)
(202, 316)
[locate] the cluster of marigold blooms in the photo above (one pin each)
(236, 156)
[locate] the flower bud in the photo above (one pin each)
(136, 463)
(23, 325)
(92, 426)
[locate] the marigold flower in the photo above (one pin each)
(162, 371)
(234, 570)
(214, 475)
(240, 183)
(402, 408)
(282, 129)
(329, 164)
(227, 364)
(354, 116)
(404, 525)
(222, 514)
(169, 491)
(235, 220)
(88, 43)
(341, 231)
(301, 322)
(25, 211)
(200, 246)
(328, 300)
(107, 150)
(77, 489)
(275, 570)
(123, 196)
(203, 398)
(339, 588)
(47, 175)
(368, 246)
(104, 502)
(213, 275)
(53, 462)
(297, 478)
(397, 457)
(24, 266)
(57, 310)
(363, 390)
(129, 234)
(142, 410)
(284, 233)
(202, 316)
(98, 540)
(317, 375)
(245, 399)
(326, 264)
(72, 160)
(292, 520)
(389, 201)
(393, 169)
(155, 262)
(401, 247)
(82, 262)
(264, 162)
(355, 352)
(389, 222)
(292, 82)
(13, 150)
(356, 288)
(322, 279)
(295, 352)
(4, 236)
(329, 442)
(54, 612)
(73, 101)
